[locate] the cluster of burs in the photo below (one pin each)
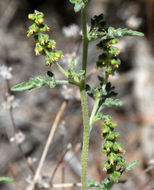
(44, 45)
(108, 60)
(115, 163)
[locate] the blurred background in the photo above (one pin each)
(37, 109)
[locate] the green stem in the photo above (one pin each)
(62, 82)
(61, 69)
(85, 137)
(85, 40)
(86, 131)
(95, 108)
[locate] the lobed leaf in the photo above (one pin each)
(120, 32)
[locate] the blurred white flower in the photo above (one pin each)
(18, 138)
(71, 31)
(31, 160)
(5, 72)
(10, 102)
(133, 22)
(67, 92)
(69, 57)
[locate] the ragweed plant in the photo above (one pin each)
(103, 94)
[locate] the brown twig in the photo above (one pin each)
(46, 148)
(58, 164)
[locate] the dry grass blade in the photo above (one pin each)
(46, 148)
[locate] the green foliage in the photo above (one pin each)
(111, 102)
(36, 82)
(79, 4)
(100, 30)
(130, 165)
(120, 32)
(6, 179)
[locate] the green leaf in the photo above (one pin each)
(36, 82)
(22, 86)
(130, 165)
(111, 102)
(120, 32)
(92, 183)
(78, 73)
(79, 4)
(7, 179)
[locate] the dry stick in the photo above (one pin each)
(15, 129)
(57, 166)
(66, 185)
(46, 148)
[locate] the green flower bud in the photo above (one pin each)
(31, 16)
(51, 44)
(39, 20)
(116, 135)
(52, 57)
(115, 176)
(113, 125)
(116, 146)
(121, 161)
(113, 41)
(108, 145)
(38, 48)
(44, 28)
(32, 30)
(112, 135)
(106, 166)
(112, 158)
(43, 38)
(109, 70)
(105, 130)
(113, 50)
(115, 62)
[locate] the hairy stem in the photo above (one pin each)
(85, 138)
(84, 103)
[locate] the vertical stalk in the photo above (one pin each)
(84, 103)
